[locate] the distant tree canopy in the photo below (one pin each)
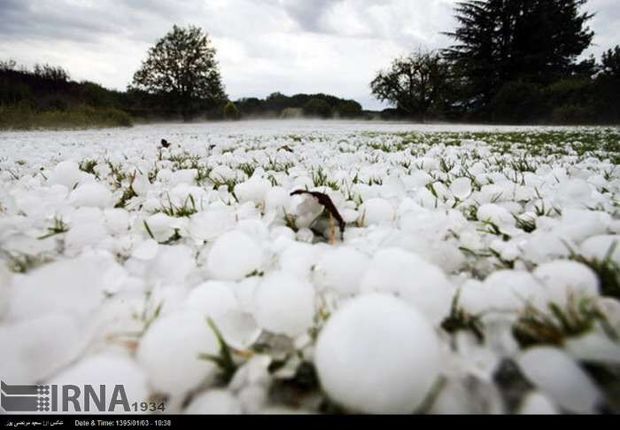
(231, 112)
(181, 68)
(309, 105)
(415, 84)
(611, 63)
(46, 87)
(514, 61)
(499, 41)
(45, 96)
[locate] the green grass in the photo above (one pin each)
(556, 324)
(20, 118)
(598, 142)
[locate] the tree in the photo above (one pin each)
(414, 84)
(317, 107)
(607, 88)
(611, 63)
(231, 112)
(182, 69)
(502, 41)
(349, 109)
(51, 73)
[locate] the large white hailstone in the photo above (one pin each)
(222, 173)
(410, 277)
(426, 199)
(33, 350)
(73, 287)
(602, 247)
(254, 372)
(496, 214)
(492, 193)
(574, 193)
(536, 403)
(579, 224)
(239, 328)
(184, 176)
(611, 309)
(234, 256)
(184, 195)
(164, 176)
(160, 225)
(281, 232)
(594, 347)
(557, 375)
(428, 164)
(377, 211)
(145, 250)
(253, 190)
(141, 184)
(298, 258)
(349, 215)
(218, 301)
(512, 290)
(66, 173)
(341, 269)
(419, 179)
(461, 188)
(172, 264)
(210, 224)
(170, 352)
(284, 304)
(441, 190)
(377, 354)
(542, 246)
(91, 194)
(81, 235)
(109, 370)
(118, 315)
(212, 299)
(524, 194)
(254, 228)
(244, 291)
(277, 199)
(247, 211)
(214, 402)
(564, 278)
(304, 235)
(116, 220)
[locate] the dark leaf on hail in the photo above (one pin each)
(327, 203)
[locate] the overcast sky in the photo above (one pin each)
(292, 46)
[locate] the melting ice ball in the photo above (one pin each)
(284, 304)
(378, 354)
(234, 256)
(170, 352)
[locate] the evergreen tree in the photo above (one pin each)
(502, 41)
(611, 63)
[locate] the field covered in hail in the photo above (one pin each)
(476, 271)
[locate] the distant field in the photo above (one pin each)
(461, 268)
(75, 118)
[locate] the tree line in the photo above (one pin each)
(512, 61)
(515, 61)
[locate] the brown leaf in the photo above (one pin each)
(327, 203)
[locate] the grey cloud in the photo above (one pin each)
(308, 14)
(263, 45)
